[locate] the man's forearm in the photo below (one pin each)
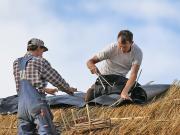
(91, 65)
(130, 83)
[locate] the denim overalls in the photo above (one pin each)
(34, 114)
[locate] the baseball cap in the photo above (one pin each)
(37, 42)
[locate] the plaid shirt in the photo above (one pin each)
(39, 72)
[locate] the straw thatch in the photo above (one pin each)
(159, 117)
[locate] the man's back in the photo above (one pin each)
(39, 72)
(33, 72)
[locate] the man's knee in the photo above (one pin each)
(94, 92)
(89, 94)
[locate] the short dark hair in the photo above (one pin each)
(125, 35)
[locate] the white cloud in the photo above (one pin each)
(16, 27)
(146, 9)
(141, 9)
(161, 53)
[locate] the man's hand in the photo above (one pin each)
(91, 65)
(70, 91)
(125, 96)
(130, 82)
(94, 70)
(51, 91)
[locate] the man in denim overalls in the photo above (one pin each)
(32, 72)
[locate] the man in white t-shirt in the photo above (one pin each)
(119, 58)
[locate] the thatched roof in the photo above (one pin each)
(159, 117)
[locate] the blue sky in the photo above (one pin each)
(75, 30)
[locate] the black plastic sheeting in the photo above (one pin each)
(145, 93)
(140, 95)
(9, 105)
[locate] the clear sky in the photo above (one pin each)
(74, 30)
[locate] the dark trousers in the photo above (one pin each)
(96, 90)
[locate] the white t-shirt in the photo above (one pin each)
(119, 63)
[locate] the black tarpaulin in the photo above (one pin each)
(141, 94)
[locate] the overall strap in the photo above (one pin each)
(22, 66)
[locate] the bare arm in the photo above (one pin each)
(91, 65)
(51, 91)
(130, 82)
